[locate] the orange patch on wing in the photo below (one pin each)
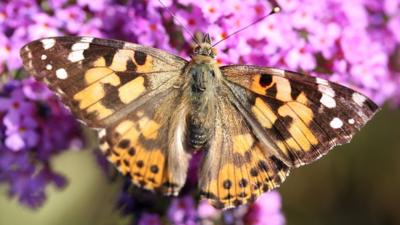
(149, 128)
(256, 86)
(100, 110)
(282, 85)
(131, 90)
(302, 98)
(283, 89)
(94, 74)
(154, 172)
(120, 60)
(263, 113)
(242, 183)
(100, 62)
(95, 91)
(299, 130)
(242, 143)
(123, 126)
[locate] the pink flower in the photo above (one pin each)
(301, 57)
(394, 26)
(206, 211)
(266, 210)
(43, 26)
(72, 17)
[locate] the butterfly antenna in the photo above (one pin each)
(274, 10)
(178, 22)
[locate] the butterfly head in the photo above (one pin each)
(204, 47)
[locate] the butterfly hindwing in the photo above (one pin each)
(96, 78)
(237, 168)
(301, 117)
(148, 144)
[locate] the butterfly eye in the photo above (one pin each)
(196, 50)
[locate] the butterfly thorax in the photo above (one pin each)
(204, 78)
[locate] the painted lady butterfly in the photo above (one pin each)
(152, 110)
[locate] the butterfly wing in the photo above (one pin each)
(299, 117)
(148, 144)
(237, 167)
(100, 79)
(105, 83)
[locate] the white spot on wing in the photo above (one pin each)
(80, 46)
(49, 67)
(351, 121)
(358, 98)
(336, 123)
(328, 101)
(328, 94)
(48, 43)
(76, 56)
(43, 57)
(61, 74)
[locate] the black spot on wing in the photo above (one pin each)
(110, 56)
(280, 128)
(140, 57)
(265, 80)
(279, 165)
(126, 77)
(131, 66)
(111, 99)
(124, 143)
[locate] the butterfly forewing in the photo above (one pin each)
(98, 78)
(301, 117)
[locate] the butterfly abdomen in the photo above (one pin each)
(198, 134)
(199, 126)
(202, 97)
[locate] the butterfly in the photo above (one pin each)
(152, 110)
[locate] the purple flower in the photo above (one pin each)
(151, 32)
(22, 135)
(57, 4)
(43, 26)
(97, 5)
(72, 18)
(182, 211)
(34, 128)
(149, 219)
(35, 90)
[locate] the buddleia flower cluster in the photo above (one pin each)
(353, 42)
(34, 128)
